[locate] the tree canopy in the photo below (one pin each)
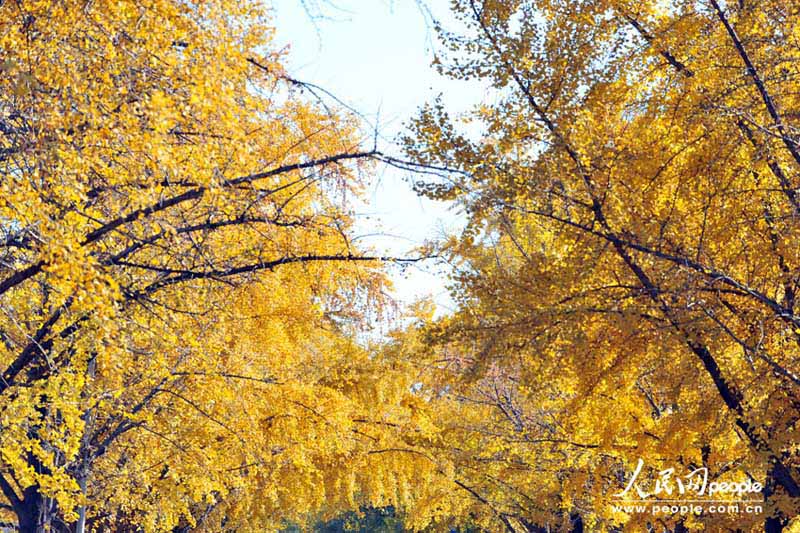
(184, 312)
(628, 279)
(180, 298)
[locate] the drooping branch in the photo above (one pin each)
(29, 272)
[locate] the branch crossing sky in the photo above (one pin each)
(376, 57)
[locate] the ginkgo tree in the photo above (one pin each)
(182, 305)
(180, 300)
(629, 274)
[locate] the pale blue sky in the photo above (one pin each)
(375, 55)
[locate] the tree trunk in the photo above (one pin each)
(577, 523)
(774, 523)
(80, 525)
(30, 514)
(37, 514)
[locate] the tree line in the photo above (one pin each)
(183, 306)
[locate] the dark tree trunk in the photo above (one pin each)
(576, 522)
(680, 528)
(30, 512)
(774, 523)
(36, 514)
